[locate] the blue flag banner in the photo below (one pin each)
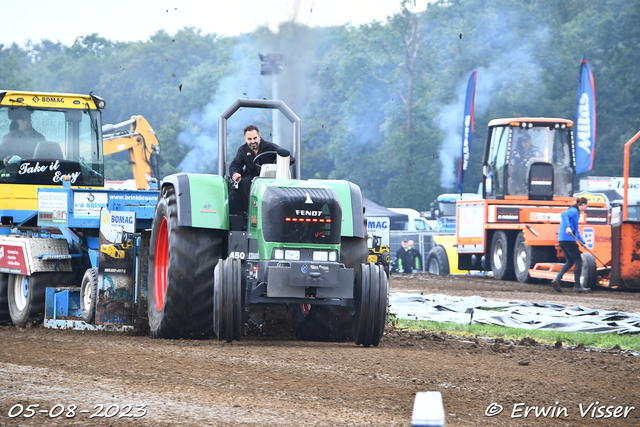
(585, 119)
(467, 129)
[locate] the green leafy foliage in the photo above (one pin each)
(380, 104)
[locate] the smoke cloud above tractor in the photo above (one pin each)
(515, 75)
(201, 135)
(294, 85)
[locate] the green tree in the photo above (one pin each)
(172, 152)
(12, 76)
(380, 104)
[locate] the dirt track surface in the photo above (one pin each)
(281, 381)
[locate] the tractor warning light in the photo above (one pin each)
(294, 219)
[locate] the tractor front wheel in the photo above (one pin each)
(228, 310)
(371, 300)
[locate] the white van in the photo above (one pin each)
(415, 223)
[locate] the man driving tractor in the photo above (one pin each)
(246, 166)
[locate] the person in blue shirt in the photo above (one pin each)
(568, 233)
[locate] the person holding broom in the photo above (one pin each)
(568, 238)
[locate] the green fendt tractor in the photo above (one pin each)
(301, 247)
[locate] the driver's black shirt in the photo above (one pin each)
(243, 162)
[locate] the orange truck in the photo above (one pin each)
(528, 173)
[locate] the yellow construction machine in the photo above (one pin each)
(137, 137)
(120, 250)
(379, 253)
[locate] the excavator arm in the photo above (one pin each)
(137, 137)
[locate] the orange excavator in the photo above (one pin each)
(137, 136)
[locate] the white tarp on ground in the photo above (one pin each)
(515, 314)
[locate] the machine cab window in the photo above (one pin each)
(42, 145)
(532, 159)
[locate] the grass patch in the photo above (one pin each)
(625, 342)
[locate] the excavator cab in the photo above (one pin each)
(528, 158)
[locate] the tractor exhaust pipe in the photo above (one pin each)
(282, 166)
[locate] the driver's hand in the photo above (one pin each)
(236, 176)
(568, 230)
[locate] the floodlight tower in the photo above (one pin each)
(271, 66)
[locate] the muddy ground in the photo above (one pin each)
(280, 381)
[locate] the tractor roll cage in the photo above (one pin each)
(257, 103)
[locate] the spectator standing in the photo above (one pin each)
(408, 258)
(416, 264)
(399, 254)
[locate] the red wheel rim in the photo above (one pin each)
(161, 263)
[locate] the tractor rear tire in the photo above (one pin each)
(502, 256)
(89, 294)
(5, 317)
(589, 274)
(26, 297)
(181, 264)
(371, 299)
(353, 254)
(228, 309)
(526, 257)
(438, 262)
